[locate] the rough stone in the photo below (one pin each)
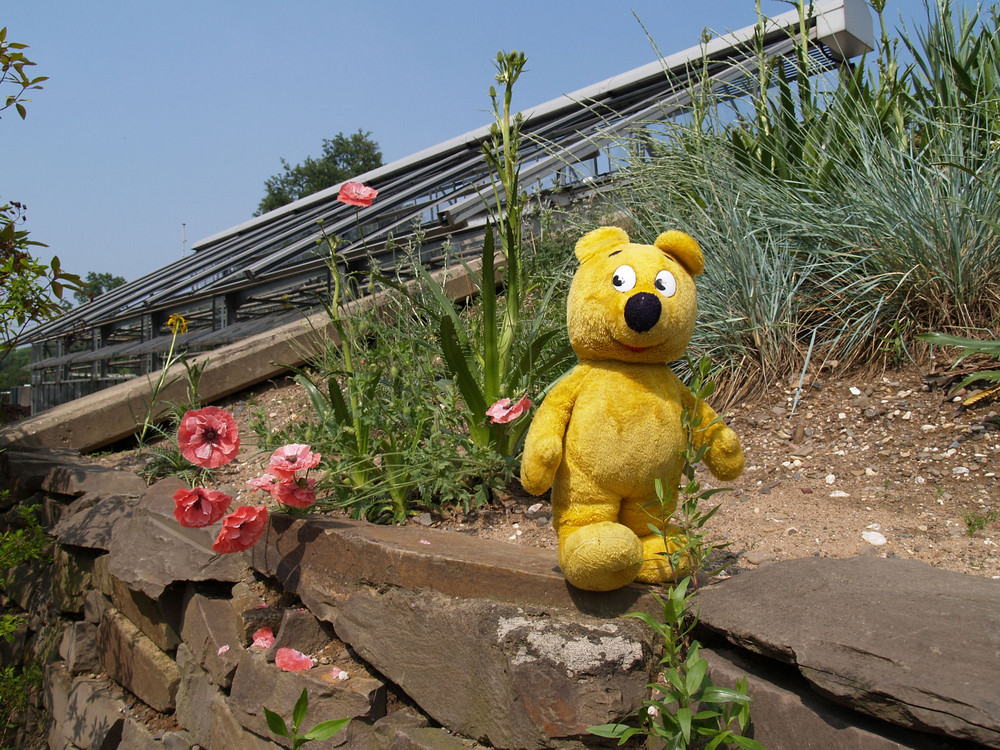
(194, 697)
(30, 586)
(159, 619)
(101, 574)
(565, 673)
(94, 714)
(91, 526)
(94, 604)
(24, 469)
(896, 639)
(228, 733)
(135, 736)
(323, 560)
(385, 729)
(150, 550)
(77, 479)
(257, 684)
(133, 661)
(300, 630)
(787, 715)
(428, 738)
(72, 575)
(79, 647)
(207, 625)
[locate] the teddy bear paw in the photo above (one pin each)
(601, 556)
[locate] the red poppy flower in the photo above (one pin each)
(290, 660)
(208, 437)
(297, 493)
(503, 411)
(200, 507)
(291, 458)
(241, 529)
(356, 194)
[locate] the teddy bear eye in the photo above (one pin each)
(624, 278)
(665, 283)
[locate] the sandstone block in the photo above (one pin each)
(72, 576)
(77, 479)
(207, 625)
(89, 520)
(79, 647)
(135, 736)
(94, 604)
(95, 714)
(194, 697)
(257, 684)
(150, 550)
(24, 469)
(515, 676)
(300, 630)
(229, 733)
(158, 618)
(133, 661)
(896, 639)
(428, 738)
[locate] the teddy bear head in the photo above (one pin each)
(630, 302)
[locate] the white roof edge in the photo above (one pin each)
(843, 25)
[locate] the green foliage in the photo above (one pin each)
(95, 284)
(504, 356)
(30, 291)
(686, 710)
(23, 543)
(16, 689)
(12, 71)
(14, 368)
(978, 520)
(971, 346)
(681, 504)
(384, 418)
(852, 216)
(322, 731)
(344, 156)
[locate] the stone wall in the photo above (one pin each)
(447, 641)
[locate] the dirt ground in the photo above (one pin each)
(887, 465)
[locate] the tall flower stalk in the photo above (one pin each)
(177, 326)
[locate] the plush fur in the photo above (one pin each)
(612, 425)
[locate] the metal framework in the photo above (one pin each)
(266, 271)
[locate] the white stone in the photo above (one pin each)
(873, 538)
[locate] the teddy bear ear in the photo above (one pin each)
(684, 249)
(599, 240)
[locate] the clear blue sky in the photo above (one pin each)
(159, 114)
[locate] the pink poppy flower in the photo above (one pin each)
(290, 660)
(264, 482)
(293, 492)
(200, 507)
(356, 194)
(503, 411)
(291, 458)
(263, 638)
(241, 529)
(208, 437)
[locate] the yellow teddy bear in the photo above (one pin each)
(612, 425)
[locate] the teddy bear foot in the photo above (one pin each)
(601, 556)
(658, 558)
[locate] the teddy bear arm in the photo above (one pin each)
(543, 446)
(725, 455)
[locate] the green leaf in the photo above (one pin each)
(614, 731)
(454, 357)
(276, 723)
(326, 729)
(299, 712)
(695, 675)
(716, 694)
(684, 722)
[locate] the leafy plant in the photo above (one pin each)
(686, 710)
(978, 520)
(504, 357)
(322, 731)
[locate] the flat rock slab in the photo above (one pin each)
(150, 550)
(897, 639)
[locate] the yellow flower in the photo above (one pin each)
(177, 324)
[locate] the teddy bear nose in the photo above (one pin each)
(642, 311)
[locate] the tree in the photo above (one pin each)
(29, 289)
(96, 284)
(343, 157)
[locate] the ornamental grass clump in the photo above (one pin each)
(842, 219)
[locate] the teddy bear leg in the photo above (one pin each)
(601, 556)
(656, 557)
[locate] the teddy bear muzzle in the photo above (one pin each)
(642, 311)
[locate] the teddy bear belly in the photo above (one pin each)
(624, 451)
